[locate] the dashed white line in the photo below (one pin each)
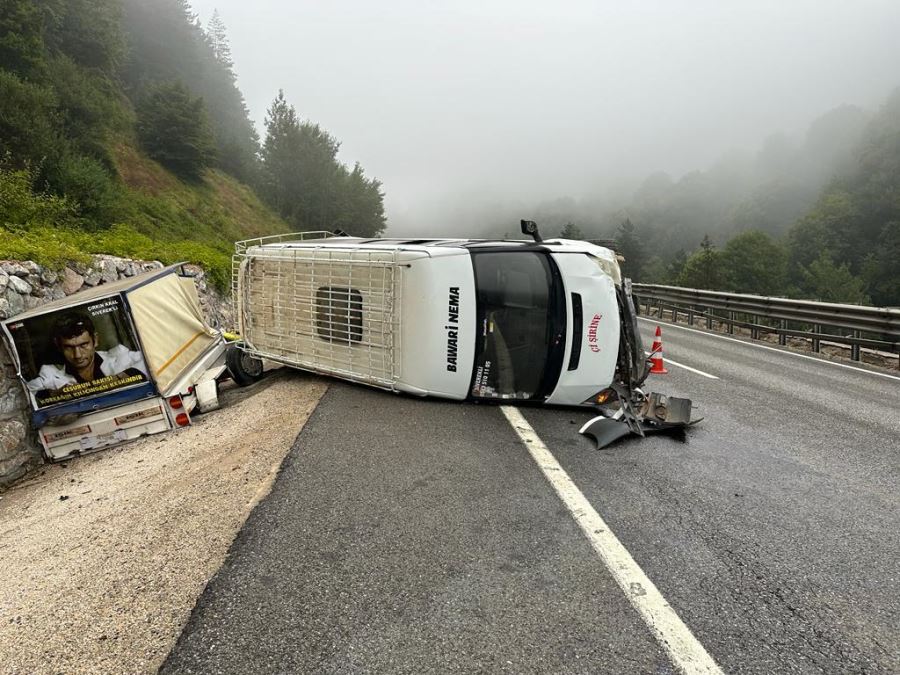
(771, 349)
(666, 359)
(685, 651)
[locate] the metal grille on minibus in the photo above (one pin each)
(330, 310)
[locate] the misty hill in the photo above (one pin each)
(815, 217)
(855, 223)
(821, 220)
(767, 191)
(122, 119)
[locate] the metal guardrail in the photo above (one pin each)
(854, 325)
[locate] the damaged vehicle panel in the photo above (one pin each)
(543, 322)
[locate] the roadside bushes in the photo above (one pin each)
(47, 228)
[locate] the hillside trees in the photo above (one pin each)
(571, 231)
(823, 220)
(217, 35)
(304, 181)
(173, 129)
(28, 121)
(362, 210)
(827, 281)
(754, 263)
(630, 246)
(21, 38)
(705, 268)
(881, 270)
(58, 101)
(852, 227)
(87, 31)
(168, 44)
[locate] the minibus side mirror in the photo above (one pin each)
(530, 227)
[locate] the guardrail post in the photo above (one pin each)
(854, 348)
(708, 317)
(782, 336)
(731, 322)
(754, 331)
(815, 341)
(674, 314)
(691, 316)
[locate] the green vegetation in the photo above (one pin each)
(631, 248)
(571, 231)
(122, 131)
(173, 130)
(306, 183)
(817, 220)
(47, 229)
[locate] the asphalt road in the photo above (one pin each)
(419, 536)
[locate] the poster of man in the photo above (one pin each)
(78, 352)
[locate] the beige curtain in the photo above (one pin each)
(171, 326)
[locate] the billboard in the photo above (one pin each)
(80, 351)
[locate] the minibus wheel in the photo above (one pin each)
(244, 368)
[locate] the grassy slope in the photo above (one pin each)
(159, 218)
(216, 211)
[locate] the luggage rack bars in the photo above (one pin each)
(244, 244)
(329, 310)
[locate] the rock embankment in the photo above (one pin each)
(25, 285)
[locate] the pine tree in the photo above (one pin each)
(704, 268)
(173, 129)
(571, 231)
(362, 212)
(218, 40)
(304, 181)
(756, 264)
(167, 43)
(281, 153)
(629, 244)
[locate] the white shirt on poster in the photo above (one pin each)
(116, 360)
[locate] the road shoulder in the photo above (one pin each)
(105, 556)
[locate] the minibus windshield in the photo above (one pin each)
(520, 327)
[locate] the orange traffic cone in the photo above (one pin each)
(656, 355)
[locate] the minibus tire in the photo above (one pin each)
(243, 368)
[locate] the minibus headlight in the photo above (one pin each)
(601, 397)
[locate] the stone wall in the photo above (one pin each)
(25, 285)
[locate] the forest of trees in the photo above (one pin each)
(817, 219)
(81, 81)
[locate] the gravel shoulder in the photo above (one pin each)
(103, 557)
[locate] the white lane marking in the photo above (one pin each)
(666, 359)
(685, 651)
(772, 349)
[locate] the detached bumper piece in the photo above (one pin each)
(640, 415)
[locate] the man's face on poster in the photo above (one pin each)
(79, 351)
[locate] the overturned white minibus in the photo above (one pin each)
(532, 321)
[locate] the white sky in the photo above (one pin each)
(517, 101)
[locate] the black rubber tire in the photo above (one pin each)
(244, 368)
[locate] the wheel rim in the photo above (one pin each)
(251, 365)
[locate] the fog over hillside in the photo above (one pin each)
(463, 107)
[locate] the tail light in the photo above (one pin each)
(175, 402)
(182, 420)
